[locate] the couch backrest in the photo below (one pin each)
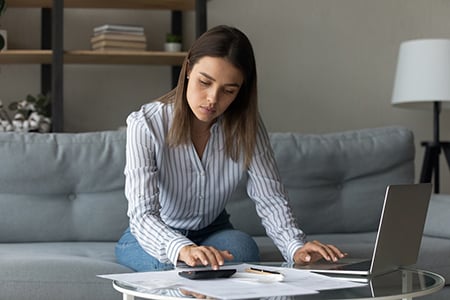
(336, 182)
(70, 186)
(62, 186)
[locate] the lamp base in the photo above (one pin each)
(431, 161)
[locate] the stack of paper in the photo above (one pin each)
(239, 286)
(119, 37)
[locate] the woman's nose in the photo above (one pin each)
(213, 95)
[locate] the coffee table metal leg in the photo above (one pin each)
(124, 291)
(128, 297)
(406, 283)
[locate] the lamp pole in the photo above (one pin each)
(433, 150)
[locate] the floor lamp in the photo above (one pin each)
(423, 81)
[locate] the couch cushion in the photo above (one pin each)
(438, 221)
(435, 256)
(337, 181)
(58, 270)
(62, 186)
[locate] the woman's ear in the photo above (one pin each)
(188, 69)
(188, 72)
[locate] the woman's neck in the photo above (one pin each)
(200, 133)
(200, 128)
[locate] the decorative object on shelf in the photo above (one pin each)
(3, 40)
(173, 43)
(29, 115)
(3, 32)
(2, 6)
(119, 38)
(423, 81)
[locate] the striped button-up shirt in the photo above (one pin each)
(171, 187)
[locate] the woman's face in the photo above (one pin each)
(212, 86)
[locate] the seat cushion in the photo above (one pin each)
(435, 256)
(68, 270)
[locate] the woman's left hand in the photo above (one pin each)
(315, 250)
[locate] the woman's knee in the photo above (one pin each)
(240, 244)
(130, 254)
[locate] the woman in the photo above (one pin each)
(186, 153)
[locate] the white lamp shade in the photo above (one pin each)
(423, 73)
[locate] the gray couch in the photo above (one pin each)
(62, 206)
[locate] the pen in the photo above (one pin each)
(261, 271)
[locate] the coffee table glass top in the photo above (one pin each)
(401, 284)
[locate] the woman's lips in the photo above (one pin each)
(208, 110)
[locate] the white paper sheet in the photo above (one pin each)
(296, 282)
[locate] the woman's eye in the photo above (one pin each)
(203, 82)
(229, 92)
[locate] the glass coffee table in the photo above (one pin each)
(407, 283)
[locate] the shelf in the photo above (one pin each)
(94, 57)
(121, 4)
(26, 57)
(124, 57)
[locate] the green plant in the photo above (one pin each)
(173, 38)
(40, 104)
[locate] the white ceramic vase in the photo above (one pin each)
(172, 47)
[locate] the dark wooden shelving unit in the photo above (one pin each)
(52, 57)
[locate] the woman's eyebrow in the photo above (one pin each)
(212, 79)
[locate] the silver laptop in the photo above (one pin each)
(399, 234)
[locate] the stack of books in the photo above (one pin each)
(119, 38)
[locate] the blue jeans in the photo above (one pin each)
(219, 234)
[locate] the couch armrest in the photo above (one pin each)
(438, 221)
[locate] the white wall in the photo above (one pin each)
(329, 65)
(323, 65)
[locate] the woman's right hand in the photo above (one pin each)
(194, 255)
